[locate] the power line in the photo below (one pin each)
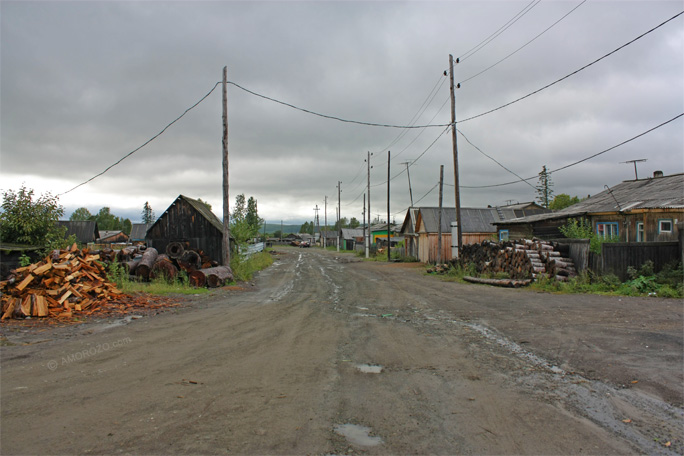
(493, 159)
(326, 116)
(414, 161)
(423, 107)
(574, 72)
(524, 45)
(582, 160)
(144, 144)
(500, 30)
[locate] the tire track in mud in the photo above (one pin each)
(646, 422)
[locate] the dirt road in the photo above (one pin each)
(324, 354)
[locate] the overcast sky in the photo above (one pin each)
(85, 83)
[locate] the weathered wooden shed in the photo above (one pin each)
(191, 221)
(138, 232)
(85, 230)
(351, 237)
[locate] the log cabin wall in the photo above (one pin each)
(184, 223)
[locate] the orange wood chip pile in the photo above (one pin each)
(65, 283)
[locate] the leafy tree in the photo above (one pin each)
(278, 234)
(544, 188)
(354, 223)
(252, 215)
(304, 228)
(81, 214)
(148, 215)
(106, 221)
(244, 220)
(563, 200)
(25, 220)
(342, 223)
(581, 229)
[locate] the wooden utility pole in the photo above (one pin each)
(455, 147)
(365, 244)
(369, 207)
(226, 196)
(389, 240)
(409, 179)
(339, 214)
(325, 242)
(439, 217)
(316, 209)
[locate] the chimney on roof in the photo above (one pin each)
(657, 174)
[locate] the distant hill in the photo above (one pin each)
(287, 229)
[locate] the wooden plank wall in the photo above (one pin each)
(616, 257)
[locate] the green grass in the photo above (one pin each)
(244, 269)
(668, 283)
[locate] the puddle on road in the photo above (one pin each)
(357, 435)
(363, 315)
(369, 368)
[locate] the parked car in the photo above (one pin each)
(304, 244)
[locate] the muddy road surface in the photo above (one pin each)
(326, 354)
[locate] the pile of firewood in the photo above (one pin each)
(65, 281)
(148, 263)
(522, 259)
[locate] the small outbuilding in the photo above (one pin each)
(138, 232)
(190, 221)
(85, 230)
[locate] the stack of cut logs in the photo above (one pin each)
(149, 264)
(522, 259)
(65, 281)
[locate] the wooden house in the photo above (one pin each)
(379, 232)
(643, 210)
(112, 237)
(191, 221)
(421, 227)
(408, 231)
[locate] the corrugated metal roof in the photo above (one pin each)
(351, 233)
(653, 193)
(474, 219)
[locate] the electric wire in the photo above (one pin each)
(423, 107)
(583, 159)
(414, 161)
(493, 159)
(421, 198)
(144, 144)
(326, 116)
(574, 72)
(500, 30)
(524, 45)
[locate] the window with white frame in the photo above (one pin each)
(665, 226)
(607, 230)
(640, 231)
(503, 235)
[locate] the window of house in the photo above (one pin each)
(664, 226)
(503, 235)
(607, 230)
(640, 232)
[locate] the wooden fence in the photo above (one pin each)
(616, 257)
